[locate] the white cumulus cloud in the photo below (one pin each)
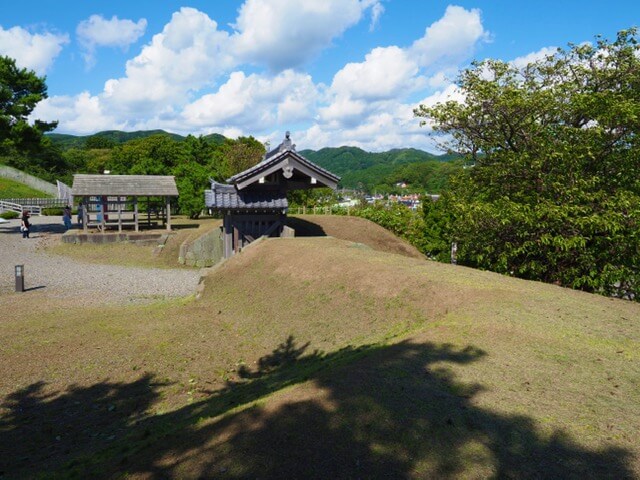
(285, 34)
(255, 102)
(35, 51)
(384, 74)
(81, 114)
(371, 97)
(97, 31)
(193, 77)
(189, 54)
(451, 38)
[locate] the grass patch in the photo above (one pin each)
(12, 189)
(307, 358)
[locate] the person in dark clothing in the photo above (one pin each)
(25, 226)
(66, 217)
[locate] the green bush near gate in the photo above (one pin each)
(9, 214)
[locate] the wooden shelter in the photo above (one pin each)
(254, 202)
(102, 196)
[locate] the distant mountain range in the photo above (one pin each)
(118, 137)
(358, 168)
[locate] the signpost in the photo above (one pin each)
(19, 278)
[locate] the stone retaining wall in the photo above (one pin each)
(99, 238)
(204, 251)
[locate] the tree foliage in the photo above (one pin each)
(20, 92)
(237, 155)
(554, 192)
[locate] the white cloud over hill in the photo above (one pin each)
(196, 77)
(35, 51)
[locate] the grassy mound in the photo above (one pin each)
(323, 358)
(12, 189)
(354, 229)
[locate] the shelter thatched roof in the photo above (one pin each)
(125, 185)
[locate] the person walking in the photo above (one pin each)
(25, 224)
(66, 217)
(80, 215)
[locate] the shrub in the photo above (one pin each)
(9, 214)
(52, 211)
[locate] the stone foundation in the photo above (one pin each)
(101, 238)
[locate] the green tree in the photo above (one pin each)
(235, 156)
(191, 179)
(553, 192)
(20, 92)
(154, 155)
(99, 142)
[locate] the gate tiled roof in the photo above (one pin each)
(226, 197)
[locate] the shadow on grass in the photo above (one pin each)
(39, 430)
(305, 228)
(369, 412)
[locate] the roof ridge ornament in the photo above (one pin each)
(286, 144)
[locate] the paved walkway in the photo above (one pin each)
(85, 283)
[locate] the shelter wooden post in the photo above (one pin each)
(168, 203)
(119, 216)
(103, 215)
(135, 213)
(85, 214)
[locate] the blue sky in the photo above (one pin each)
(333, 72)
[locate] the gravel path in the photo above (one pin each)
(90, 283)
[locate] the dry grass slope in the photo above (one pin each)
(323, 358)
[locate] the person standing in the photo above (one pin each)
(66, 217)
(25, 224)
(80, 215)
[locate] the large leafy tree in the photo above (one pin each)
(153, 155)
(553, 192)
(237, 155)
(20, 92)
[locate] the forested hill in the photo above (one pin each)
(117, 137)
(342, 160)
(381, 170)
(371, 171)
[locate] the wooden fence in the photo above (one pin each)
(321, 210)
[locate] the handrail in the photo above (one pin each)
(18, 208)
